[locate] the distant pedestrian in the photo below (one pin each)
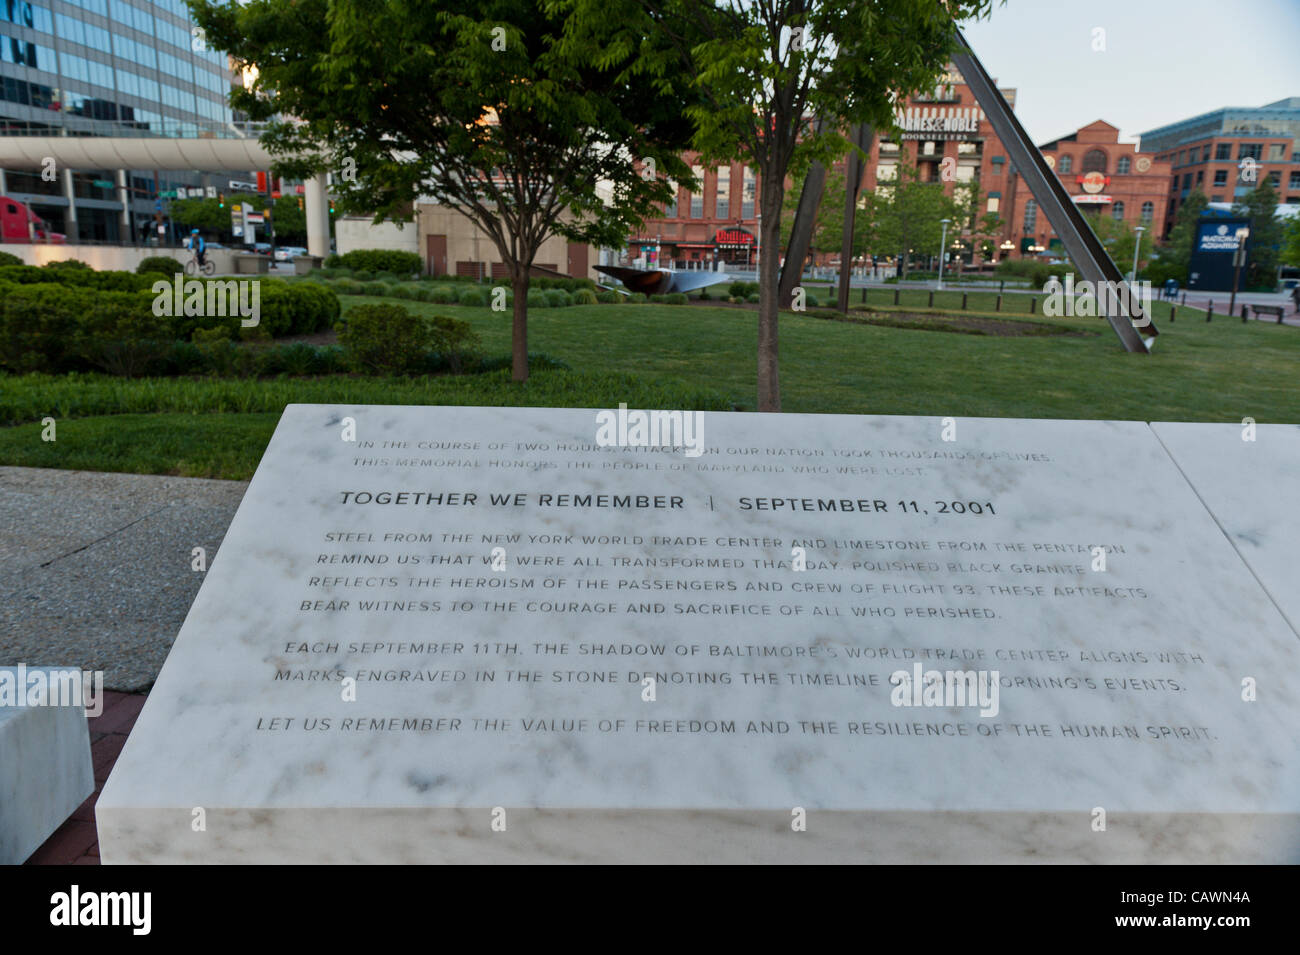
(1295, 296)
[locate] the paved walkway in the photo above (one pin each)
(95, 569)
(76, 842)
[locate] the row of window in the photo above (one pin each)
(1094, 160)
(1223, 153)
(1221, 178)
(39, 18)
(26, 14)
(1116, 212)
(24, 53)
(721, 197)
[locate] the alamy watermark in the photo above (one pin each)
(215, 297)
(1098, 300)
(946, 688)
(52, 686)
(651, 429)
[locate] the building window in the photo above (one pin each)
(1031, 216)
(670, 210)
(1117, 211)
(1277, 152)
(1275, 179)
(697, 198)
(1217, 198)
(1223, 151)
(1065, 165)
(1294, 181)
(747, 195)
(1094, 160)
(1182, 158)
(1250, 150)
(724, 192)
(1220, 177)
(1200, 176)
(1148, 211)
(994, 202)
(1123, 166)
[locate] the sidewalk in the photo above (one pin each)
(95, 568)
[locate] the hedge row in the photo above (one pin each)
(54, 327)
(377, 260)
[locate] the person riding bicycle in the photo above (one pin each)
(198, 247)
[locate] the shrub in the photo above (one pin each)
(608, 298)
(361, 275)
(675, 298)
(347, 287)
(159, 265)
(404, 291)
(742, 289)
(68, 264)
(752, 298)
(384, 338)
(537, 298)
(332, 261)
(811, 300)
(636, 298)
(444, 295)
(387, 276)
(557, 298)
(584, 296)
(452, 339)
(8, 258)
(472, 297)
(374, 288)
(383, 260)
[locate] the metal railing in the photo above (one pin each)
(167, 129)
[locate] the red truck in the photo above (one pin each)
(19, 224)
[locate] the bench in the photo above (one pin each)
(1268, 310)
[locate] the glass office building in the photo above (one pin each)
(105, 68)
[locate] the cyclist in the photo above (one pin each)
(198, 247)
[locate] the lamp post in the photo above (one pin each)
(943, 249)
(1238, 260)
(1136, 246)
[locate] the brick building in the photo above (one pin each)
(943, 131)
(1102, 175)
(1227, 152)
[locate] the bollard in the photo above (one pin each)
(1184, 302)
(1243, 314)
(1173, 310)
(1209, 311)
(1001, 286)
(931, 302)
(998, 307)
(963, 301)
(1033, 305)
(895, 296)
(864, 295)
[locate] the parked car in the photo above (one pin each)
(287, 253)
(262, 248)
(19, 224)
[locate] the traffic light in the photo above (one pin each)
(221, 200)
(300, 205)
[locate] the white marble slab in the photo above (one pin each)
(45, 768)
(1154, 649)
(1249, 479)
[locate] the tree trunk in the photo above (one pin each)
(519, 332)
(769, 381)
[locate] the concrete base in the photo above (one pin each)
(45, 772)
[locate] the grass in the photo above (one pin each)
(692, 357)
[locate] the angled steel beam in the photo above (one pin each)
(805, 220)
(861, 138)
(1081, 243)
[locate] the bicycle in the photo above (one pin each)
(192, 267)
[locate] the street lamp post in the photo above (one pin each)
(1238, 260)
(1136, 246)
(943, 249)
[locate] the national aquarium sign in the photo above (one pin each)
(1219, 235)
(1210, 267)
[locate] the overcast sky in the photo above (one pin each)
(1164, 60)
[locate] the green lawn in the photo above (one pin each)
(689, 356)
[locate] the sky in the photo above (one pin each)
(1163, 60)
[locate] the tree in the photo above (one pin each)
(763, 69)
(1290, 254)
(485, 106)
(906, 215)
(210, 216)
(1178, 252)
(1260, 206)
(1118, 237)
